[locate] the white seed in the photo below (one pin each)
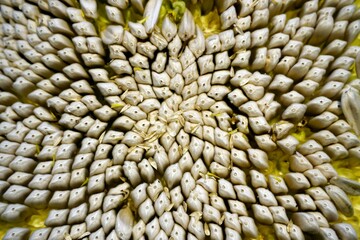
(122, 4)
(57, 217)
(113, 34)
(281, 83)
(285, 65)
(353, 30)
(80, 44)
(213, 44)
(237, 97)
(147, 49)
(262, 214)
(247, 8)
(242, 41)
(225, 189)
(340, 75)
(232, 223)
(173, 67)
(274, 56)
(215, 231)
(340, 199)
(281, 231)
(348, 140)
(318, 158)
(277, 185)
(306, 222)
(138, 60)
(197, 228)
(174, 46)
(75, 14)
(160, 62)
(296, 181)
(239, 158)
(114, 15)
(323, 120)
(124, 223)
(168, 29)
(92, 60)
(318, 105)
(121, 66)
(89, 9)
(322, 30)
(288, 202)
(228, 18)
(266, 197)
(248, 226)
(300, 69)
(206, 64)
(242, 59)
(339, 127)
(328, 209)
(335, 47)
(265, 142)
(259, 125)
(117, 52)
(181, 217)
(345, 231)
(210, 214)
(227, 40)
(272, 110)
(245, 194)
(187, 26)
(350, 110)
(178, 232)
(350, 51)
(278, 23)
(295, 112)
(305, 202)
(151, 12)
(292, 48)
(259, 37)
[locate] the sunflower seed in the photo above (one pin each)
(306, 222)
(197, 228)
(228, 18)
(151, 12)
(242, 41)
(248, 227)
(40, 234)
(281, 83)
(323, 120)
(281, 231)
(168, 29)
(257, 179)
(57, 218)
(339, 197)
(119, 3)
(124, 223)
(210, 214)
(259, 125)
(93, 221)
(353, 30)
(296, 181)
(262, 214)
(266, 197)
(345, 230)
(187, 26)
(328, 209)
(245, 194)
(115, 15)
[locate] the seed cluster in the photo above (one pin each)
(157, 129)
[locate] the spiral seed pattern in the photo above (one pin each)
(157, 119)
